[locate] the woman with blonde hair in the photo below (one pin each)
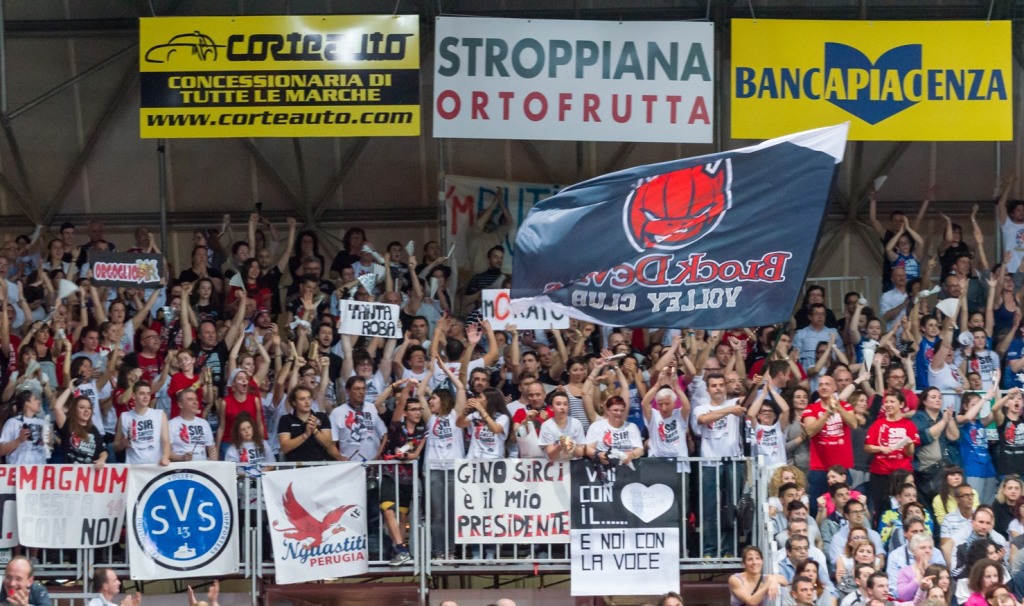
(785, 475)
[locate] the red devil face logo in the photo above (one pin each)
(674, 210)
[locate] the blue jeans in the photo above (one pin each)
(718, 487)
(817, 485)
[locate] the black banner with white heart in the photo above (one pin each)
(625, 528)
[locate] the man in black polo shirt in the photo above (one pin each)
(305, 435)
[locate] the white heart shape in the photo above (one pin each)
(647, 502)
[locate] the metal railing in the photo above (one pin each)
(837, 286)
(713, 495)
(712, 536)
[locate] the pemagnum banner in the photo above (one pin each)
(709, 242)
(280, 76)
(893, 80)
(139, 270)
(71, 506)
(574, 80)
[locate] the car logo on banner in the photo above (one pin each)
(675, 209)
(183, 519)
(196, 44)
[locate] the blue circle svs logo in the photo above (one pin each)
(183, 520)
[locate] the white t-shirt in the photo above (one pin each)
(272, 411)
(358, 433)
(407, 373)
(984, 363)
(551, 433)
(190, 437)
(890, 300)
(606, 437)
(483, 443)
(375, 386)
(249, 454)
(947, 378)
(1013, 240)
(33, 450)
(445, 442)
(95, 394)
(143, 433)
(667, 436)
(769, 441)
(721, 438)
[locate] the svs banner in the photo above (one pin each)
(280, 76)
(712, 242)
(317, 534)
(183, 520)
(893, 80)
(71, 506)
(625, 528)
(574, 80)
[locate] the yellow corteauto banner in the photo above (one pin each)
(280, 76)
(892, 80)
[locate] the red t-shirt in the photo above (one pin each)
(832, 445)
(179, 382)
(150, 366)
(118, 406)
(884, 432)
(911, 401)
(231, 409)
(520, 417)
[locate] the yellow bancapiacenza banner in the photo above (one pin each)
(283, 76)
(894, 80)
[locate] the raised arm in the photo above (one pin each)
(282, 261)
(57, 408)
(98, 309)
(237, 328)
(560, 359)
(890, 246)
(1004, 196)
(979, 240)
(873, 214)
(186, 316)
(929, 195)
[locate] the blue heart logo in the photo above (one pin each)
(895, 63)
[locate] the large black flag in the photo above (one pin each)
(717, 241)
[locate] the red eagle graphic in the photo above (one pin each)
(306, 529)
(243, 455)
(183, 435)
(607, 439)
(350, 420)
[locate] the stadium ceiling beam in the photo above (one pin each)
(620, 157)
(856, 200)
(268, 170)
(300, 167)
(538, 159)
(348, 161)
(830, 240)
(70, 82)
(90, 143)
(27, 209)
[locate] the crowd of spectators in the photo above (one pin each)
(894, 431)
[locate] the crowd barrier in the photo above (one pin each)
(837, 286)
(712, 500)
